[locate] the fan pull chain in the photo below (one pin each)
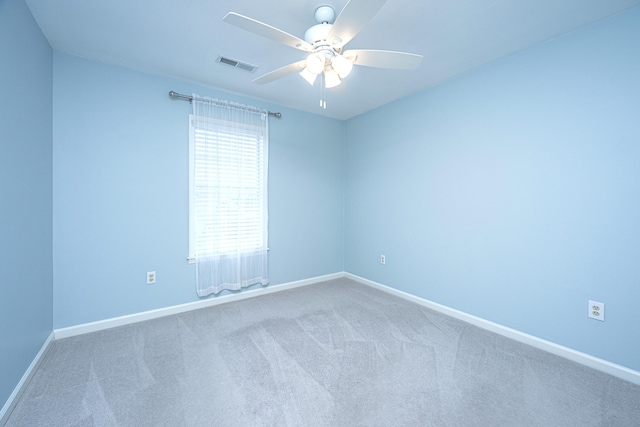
(323, 101)
(321, 89)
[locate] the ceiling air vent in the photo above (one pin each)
(237, 64)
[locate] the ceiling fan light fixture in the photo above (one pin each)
(324, 45)
(315, 63)
(308, 76)
(331, 78)
(342, 65)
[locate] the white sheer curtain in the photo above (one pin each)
(229, 171)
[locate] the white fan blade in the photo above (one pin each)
(355, 15)
(280, 72)
(264, 30)
(384, 59)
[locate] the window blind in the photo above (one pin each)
(228, 189)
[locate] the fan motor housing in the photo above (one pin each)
(317, 33)
(325, 16)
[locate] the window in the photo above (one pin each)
(228, 188)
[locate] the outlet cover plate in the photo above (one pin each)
(151, 277)
(596, 310)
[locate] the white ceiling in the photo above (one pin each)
(183, 38)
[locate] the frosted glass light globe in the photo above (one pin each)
(315, 63)
(342, 65)
(331, 78)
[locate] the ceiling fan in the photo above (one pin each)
(324, 44)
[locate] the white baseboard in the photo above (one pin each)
(548, 346)
(17, 391)
(100, 325)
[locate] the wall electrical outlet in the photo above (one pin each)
(383, 259)
(596, 310)
(151, 277)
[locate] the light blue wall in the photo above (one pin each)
(513, 192)
(120, 179)
(25, 193)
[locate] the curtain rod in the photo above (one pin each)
(174, 94)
